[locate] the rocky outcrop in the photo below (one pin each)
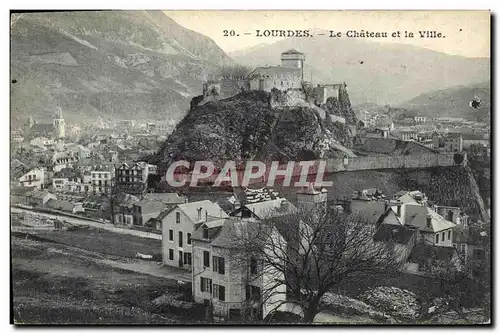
(253, 125)
(341, 106)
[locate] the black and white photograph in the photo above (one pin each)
(250, 167)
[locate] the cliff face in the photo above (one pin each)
(255, 125)
(341, 106)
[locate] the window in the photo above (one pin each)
(189, 238)
(178, 217)
(442, 237)
(462, 248)
(206, 284)
(171, 254)
(252, 292)
(449, 235)
(206, 259)
(437, 238)
(180, 239)
(205, 232)
(218, 264)
(171, 235)
(253, 266)
(220, 292)
(187, 258)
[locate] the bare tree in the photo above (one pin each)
(318, 250)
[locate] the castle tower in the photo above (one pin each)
(59, 125)
(293, 58)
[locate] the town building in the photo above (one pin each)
(234, 282)
(101, 178)
(433, 227)
(132, 178)
(178, 225)
(37, 177)
(448, 142)
(65, 206)
(420, 119)
(312, 198)
(55, 130)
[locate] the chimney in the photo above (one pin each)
(386, 206)
(199, 213)
(206, 215)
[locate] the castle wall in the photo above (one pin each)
(232, 86)
(286, 81)
(424, 160)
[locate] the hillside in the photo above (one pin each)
(454, 186)
(114, 64)
(454, 102)
(251, 125)
(378, 73)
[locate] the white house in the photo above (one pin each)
(37, 177)
(178, 225)
(231, 280)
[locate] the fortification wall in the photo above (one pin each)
(232, 86)
(424, 160)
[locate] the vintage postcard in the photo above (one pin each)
(250, 167)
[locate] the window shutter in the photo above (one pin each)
(201, 284)
(215, 263)
(222, 293)
(221, 266)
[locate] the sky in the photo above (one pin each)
(467, 33)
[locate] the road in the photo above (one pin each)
(77, 221)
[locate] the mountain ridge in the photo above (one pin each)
(110, 64)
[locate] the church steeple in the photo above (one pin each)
(59, 124)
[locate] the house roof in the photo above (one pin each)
(234, 232)
(169, 198)
(60, 205)
(69, 173)
(43, 128)
(416, 215)
(371, 212)
(393, 233)
(149, 206)
(273, 208)
(210, 208)
(292, 51)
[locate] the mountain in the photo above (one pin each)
(252, 125)
(113, 64)
(380, 73)
(454, 102)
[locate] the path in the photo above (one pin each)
(77, 221)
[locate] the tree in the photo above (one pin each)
(322, 249)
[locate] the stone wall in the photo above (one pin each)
(424, 160)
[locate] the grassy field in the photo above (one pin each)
(50, 285)
(103, 241)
